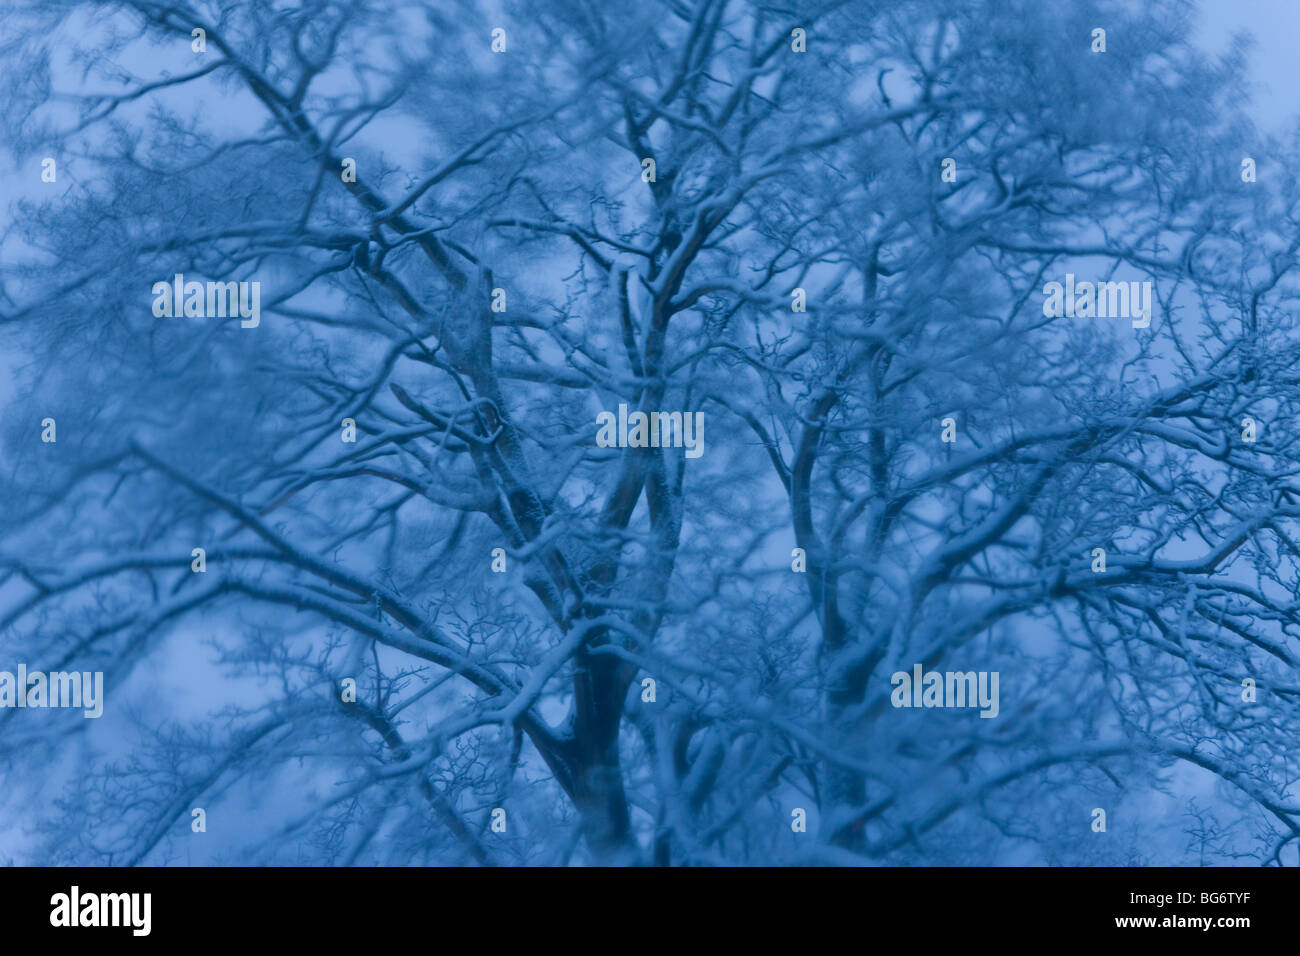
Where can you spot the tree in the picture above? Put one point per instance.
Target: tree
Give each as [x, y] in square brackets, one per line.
[495, 628]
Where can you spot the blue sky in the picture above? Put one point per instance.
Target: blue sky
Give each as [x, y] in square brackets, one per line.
[1274, 24]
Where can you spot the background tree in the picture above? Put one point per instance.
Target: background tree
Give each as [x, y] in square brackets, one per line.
[519, 179]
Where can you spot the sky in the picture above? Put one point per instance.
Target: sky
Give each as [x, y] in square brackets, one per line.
[1275, 25]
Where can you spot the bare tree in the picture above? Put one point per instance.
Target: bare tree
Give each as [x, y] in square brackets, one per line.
[823, 233]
